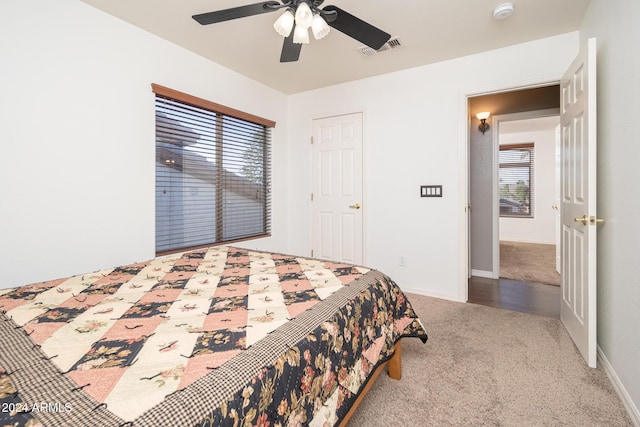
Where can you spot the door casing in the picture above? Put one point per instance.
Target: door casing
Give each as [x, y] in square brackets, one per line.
[464, 162]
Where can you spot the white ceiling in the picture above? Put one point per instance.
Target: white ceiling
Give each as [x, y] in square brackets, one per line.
[430, 31]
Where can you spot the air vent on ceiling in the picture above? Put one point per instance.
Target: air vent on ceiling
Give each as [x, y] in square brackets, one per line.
[393, 43]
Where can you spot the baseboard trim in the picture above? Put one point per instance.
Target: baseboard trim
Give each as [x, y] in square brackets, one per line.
[432, 294]
[536, 242]
[484, 274]
[631, 408]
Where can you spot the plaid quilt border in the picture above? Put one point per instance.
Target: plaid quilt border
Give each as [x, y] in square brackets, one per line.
[41, 389]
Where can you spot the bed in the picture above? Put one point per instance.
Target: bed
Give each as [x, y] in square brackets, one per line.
[214, 336]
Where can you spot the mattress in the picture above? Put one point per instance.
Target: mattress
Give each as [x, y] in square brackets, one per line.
[214, 336]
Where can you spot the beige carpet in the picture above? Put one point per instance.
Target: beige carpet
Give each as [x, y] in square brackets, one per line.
[486, 366]
[529, 262]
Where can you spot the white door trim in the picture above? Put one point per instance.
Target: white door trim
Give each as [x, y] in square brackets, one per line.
[463, 165]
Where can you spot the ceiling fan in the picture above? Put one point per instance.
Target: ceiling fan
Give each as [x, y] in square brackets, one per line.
[299, 16]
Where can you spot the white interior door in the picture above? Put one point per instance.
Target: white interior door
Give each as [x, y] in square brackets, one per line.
[336, 199]
[578, 158]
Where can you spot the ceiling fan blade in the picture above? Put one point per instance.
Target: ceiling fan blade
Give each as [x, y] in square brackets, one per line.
[236, 12]
[356, 28]
[290, 50]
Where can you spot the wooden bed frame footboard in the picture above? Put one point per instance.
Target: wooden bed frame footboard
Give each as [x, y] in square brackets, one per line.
[395, 372]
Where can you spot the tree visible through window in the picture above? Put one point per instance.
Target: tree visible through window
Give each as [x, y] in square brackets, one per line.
[212, 173]
[515, 177]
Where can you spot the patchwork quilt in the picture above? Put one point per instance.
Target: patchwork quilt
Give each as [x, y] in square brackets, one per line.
[216, 336]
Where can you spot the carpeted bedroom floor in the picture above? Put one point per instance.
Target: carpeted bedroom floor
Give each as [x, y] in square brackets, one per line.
[488, 366]
[529, 262]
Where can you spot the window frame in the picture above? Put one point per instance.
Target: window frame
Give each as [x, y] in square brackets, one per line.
[218, 114]
[530, 147]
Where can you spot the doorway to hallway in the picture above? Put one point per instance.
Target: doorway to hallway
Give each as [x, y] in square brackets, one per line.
[512, 170]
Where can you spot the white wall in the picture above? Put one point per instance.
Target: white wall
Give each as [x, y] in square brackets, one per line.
[542, 227]
[615, 25]
[414, 130]
[77, 136]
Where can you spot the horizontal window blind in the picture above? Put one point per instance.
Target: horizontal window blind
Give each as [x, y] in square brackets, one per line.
[212, 176]
[515, 178]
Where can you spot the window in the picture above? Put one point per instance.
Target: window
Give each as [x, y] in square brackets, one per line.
[516, 180]
[212, 173]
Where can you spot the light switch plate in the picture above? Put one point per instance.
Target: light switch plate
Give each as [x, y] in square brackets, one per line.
[431, 191]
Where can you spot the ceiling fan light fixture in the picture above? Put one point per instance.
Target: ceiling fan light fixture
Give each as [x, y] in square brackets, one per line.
[304, 16]
[296, 30]
[319, 27]
[284, 24]
[301, 35]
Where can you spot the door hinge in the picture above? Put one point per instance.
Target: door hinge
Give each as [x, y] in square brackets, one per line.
[311, 140]
[311, 253]
[312, 197]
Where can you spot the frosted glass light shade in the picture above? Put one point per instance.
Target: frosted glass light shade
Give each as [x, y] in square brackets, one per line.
[319, 27]
[301, 35]
[304, 16]
[483, 116]
[284, 24]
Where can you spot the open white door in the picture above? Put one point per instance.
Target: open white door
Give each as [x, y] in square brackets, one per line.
[578, 158]
[336, 214]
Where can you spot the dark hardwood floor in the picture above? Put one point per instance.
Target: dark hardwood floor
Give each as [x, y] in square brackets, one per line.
[534, 298]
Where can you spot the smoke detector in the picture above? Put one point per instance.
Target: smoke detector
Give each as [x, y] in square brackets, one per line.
[503, 11]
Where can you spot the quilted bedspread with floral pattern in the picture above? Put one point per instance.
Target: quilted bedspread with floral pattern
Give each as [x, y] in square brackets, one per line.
[217, 336]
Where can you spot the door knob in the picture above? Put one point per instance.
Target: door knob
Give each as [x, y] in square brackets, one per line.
[584, 220]
[593, 220]
[356, 206]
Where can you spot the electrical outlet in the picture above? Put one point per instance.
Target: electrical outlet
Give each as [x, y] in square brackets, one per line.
[402, 261]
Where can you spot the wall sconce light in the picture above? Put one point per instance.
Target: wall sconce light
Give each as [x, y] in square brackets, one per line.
[484, 126]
